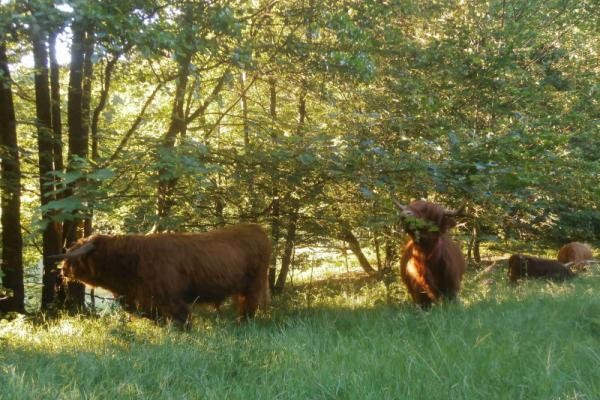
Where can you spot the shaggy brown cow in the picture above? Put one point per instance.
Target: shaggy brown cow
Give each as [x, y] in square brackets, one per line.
[159, 275]
[520, 266]
[432, 265]
[579, 254]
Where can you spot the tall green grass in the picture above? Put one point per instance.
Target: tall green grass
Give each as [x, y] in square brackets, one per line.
[344, 339]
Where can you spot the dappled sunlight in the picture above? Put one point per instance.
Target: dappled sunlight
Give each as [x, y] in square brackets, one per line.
[317, 329]
[97, 335]
[396, 172]
[15, 328]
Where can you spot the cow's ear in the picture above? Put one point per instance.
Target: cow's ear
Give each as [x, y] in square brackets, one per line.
[448, 222]
[461, 212]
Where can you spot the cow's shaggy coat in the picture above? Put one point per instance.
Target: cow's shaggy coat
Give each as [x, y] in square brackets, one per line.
[577, 254]
[432, 265]
[160, 275]
[520, 266]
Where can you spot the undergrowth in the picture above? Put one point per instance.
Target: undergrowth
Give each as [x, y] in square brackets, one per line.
[347, 338]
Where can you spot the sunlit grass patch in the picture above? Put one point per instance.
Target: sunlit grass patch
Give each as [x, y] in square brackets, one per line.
[353, 337]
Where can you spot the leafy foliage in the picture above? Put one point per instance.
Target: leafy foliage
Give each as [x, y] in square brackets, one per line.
[313, 114]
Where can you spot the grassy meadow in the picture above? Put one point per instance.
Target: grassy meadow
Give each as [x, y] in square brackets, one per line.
[346, 337]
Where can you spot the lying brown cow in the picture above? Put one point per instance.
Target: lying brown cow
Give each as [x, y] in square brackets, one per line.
[432, 264]
[520, 266]
[159, 275]
[576, 254]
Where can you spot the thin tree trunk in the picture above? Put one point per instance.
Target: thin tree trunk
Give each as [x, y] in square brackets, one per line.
[293, 217]
[476, 251]
[391, 253]
[55, 100]
[103, 97]
[86, 94]
[377, 251]
[473, 251]
[74, 298]
[354, 246]
[302, 112]
[244, 104]
[50, 234]
[246, 129]
[219, 202]
[275, 202]
[288, 250]
[10, 182]
[177, 126]
[86, 100]
[390, 248]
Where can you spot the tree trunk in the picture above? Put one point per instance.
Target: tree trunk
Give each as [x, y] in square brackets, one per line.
[275, 202]
[74, 298]
[51, 240]
[390, 248]
[10, 182]
[302, 110]
[86, 100]
[473, 251]
[391, 253]
[354, 246]
[219, 195]
[288, 250]
[86, 93]
[476, 251]
[107, 79]
[246, 129]
[377, 251]
[177, 126]
[55, 100]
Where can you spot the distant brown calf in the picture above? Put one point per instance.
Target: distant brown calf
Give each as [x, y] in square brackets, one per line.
[159, 275]
[432, 265]
[520, 266]
[576, 253]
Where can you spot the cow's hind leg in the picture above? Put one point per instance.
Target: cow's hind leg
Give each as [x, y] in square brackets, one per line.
[240, 304]
[176, 310]
[255, 296]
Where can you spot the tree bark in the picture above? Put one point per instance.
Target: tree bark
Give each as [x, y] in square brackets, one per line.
[86, 100]
[293, 216]
[10, 182]
[51, 240]
[377, 251]
[473, 248]
[55, 100]
[288, 250]
[107, 79]
[177, 126]
[354, 246]
[74, 297]
[275, 202]
[246, 129]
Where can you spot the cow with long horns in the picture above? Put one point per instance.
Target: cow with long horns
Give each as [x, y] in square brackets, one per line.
[160, 275]
[432, 265]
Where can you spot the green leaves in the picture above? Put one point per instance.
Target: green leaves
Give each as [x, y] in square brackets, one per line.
[64, 209]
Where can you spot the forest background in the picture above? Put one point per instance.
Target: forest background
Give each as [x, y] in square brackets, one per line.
[308, 117]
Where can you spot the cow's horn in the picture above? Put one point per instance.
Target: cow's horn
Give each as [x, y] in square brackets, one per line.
[456, 213]
[78, 252]
[402, 207]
